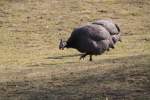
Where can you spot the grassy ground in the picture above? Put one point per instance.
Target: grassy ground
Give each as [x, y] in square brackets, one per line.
[33, 68]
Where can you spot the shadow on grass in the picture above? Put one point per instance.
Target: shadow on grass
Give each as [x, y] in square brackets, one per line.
[61, 57]
[129, 81]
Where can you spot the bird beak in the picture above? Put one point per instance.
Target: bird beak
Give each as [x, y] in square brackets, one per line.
[60, 44]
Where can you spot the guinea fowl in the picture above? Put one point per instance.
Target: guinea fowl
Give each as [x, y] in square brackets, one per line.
[112, 27]
[91, 39]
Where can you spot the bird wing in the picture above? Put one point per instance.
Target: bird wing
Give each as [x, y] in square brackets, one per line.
[109, 25]
[98, 33]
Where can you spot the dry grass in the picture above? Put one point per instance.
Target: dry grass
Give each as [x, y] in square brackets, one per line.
[32, 67]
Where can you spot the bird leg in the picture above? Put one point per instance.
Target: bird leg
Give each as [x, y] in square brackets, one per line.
[90, 58]
[83, 56]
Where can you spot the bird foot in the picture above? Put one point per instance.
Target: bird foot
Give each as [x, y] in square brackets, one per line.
[83, 56]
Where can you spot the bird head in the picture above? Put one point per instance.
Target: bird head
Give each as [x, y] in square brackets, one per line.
[116, 38]
[62, 44]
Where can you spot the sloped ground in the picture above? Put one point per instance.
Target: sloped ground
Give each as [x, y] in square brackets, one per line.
[32, 67]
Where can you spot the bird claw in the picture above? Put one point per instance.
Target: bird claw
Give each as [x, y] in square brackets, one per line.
[83, 56]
